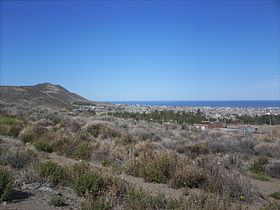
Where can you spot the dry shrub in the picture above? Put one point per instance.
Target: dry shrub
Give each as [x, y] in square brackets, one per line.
[196, 149]
[82, 151]
[268, 149]
[17, 159]
[153, 166]
[99, 129]
[273, 168]
[126, 139]
[223, 181]
[32, 133]
[187, 176]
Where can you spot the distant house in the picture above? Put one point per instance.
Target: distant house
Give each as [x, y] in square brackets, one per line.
[250, 130]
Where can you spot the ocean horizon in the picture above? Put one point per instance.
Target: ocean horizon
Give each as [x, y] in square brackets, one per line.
[205, 103]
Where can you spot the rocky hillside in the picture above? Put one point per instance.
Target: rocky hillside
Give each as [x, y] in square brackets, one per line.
[46, 95]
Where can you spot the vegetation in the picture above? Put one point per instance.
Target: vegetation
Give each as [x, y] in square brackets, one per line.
[51, 172]
[57, 201]
[43, 145]
[163, 116]
[6, 184]
[10, 126]
[17, 159]
[89, 182]
[260, 120]
[82, 151]
[275, 195]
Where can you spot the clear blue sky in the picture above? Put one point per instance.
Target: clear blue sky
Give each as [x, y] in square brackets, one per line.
[144, 50]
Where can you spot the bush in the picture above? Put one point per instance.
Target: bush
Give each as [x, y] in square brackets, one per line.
[32, 133]
[258, 165]
[91, 203]
[82, 151]
[57, 201]
[189, 176]
[127, 139]
[95, 129]
[51, 172]
[261, 177]
[137, 198]
[17, 159]
[273, 168]
[90, 182]
[78, 169]
[275, 195]
[268, 149]
[6, 184]
[43, 145]
[10, 126]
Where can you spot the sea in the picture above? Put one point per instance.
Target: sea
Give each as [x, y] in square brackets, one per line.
[239, 104]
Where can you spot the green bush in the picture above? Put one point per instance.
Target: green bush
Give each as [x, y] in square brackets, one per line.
[43, 145]
[51, 172]
[137, 198]
[89, 182]
[57, 201]
[6, 184]
[275, 195]
[82, 151]
[258, 165]
[153, 167]
[10, 126]
[260, 176]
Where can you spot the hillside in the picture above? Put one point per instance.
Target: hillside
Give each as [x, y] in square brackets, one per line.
[15, 99]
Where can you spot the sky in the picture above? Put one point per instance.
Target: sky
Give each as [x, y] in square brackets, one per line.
[144, 50]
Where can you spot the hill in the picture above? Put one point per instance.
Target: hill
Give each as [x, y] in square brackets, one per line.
[44, 95]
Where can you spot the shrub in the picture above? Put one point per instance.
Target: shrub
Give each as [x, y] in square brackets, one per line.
[57, 201]
[95, 129]
[82, 151]
[189, 176]
[137, 198]
[6, 184]
[225, 182]
[158, 170]
[127, 139]
[273, 168]
[275, 195]
[10, 126]
[268, 149]
[78, 169]
[91, 203]
[89, 182]
[32, 133]
[17, 159]
[258, 165]
[43, 145]
[51, 172]
[153, 167]
[261, 177]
